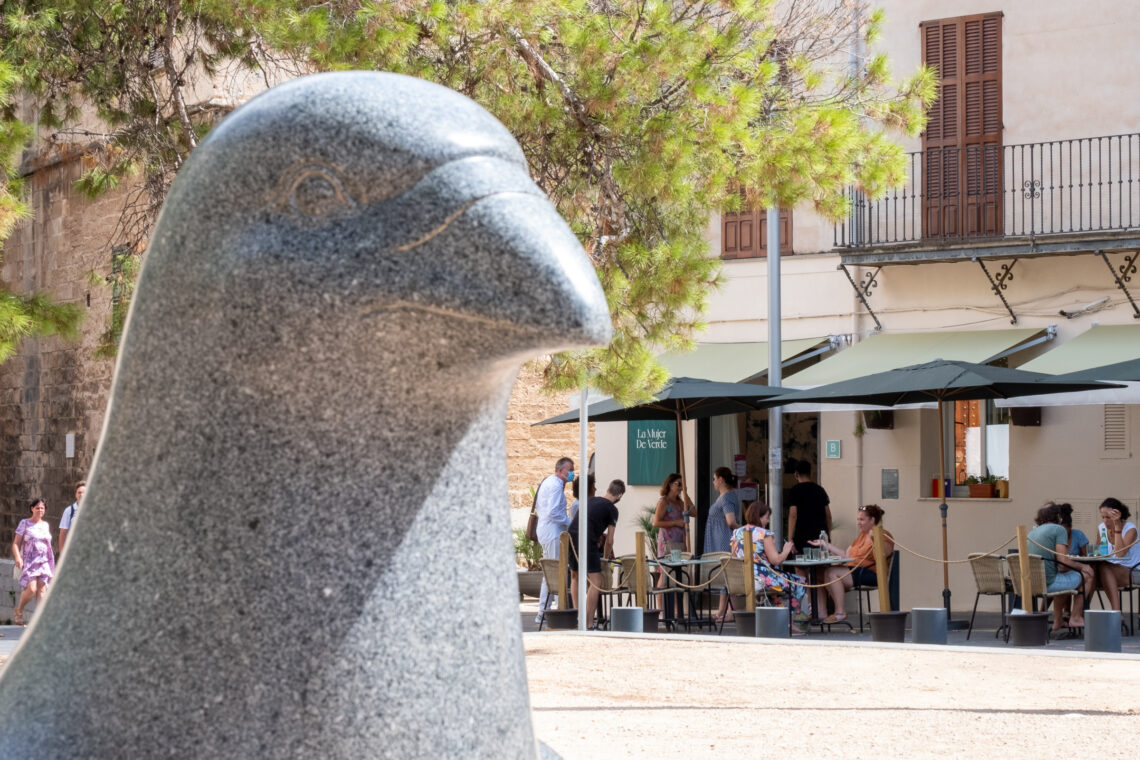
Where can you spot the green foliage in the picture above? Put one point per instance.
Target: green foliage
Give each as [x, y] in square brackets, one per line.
[22, 316]
[645, 523]
[641, 120]
[124, 274]
[527, 552]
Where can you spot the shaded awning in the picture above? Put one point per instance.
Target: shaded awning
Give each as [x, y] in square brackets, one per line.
[885, 351]
[737, 362]
[1096, 347]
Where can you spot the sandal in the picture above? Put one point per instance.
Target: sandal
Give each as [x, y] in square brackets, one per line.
[18, 619]
[833, 619]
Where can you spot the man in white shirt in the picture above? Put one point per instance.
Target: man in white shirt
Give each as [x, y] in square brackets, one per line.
[553, 519]
[69, 514]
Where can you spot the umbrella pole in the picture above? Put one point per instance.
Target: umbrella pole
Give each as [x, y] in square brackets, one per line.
[584, 614]
[684, 485]
[943, 508]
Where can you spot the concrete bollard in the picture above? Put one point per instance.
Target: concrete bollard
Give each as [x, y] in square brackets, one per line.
[1102, 630]
[928, 625]
[773, 622]
[627, 620]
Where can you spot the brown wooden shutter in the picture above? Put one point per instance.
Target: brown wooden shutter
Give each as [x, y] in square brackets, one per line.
[744, 235]
[962, 156]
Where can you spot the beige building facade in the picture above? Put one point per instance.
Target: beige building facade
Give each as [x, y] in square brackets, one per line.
[1016, 235]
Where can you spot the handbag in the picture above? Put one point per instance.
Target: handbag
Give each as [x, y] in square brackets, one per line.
[532, 521]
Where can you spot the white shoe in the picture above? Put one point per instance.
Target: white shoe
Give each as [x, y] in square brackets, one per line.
[538, 620]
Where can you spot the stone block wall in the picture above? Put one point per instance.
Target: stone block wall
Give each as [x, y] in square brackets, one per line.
[532, 451]
[52, 388]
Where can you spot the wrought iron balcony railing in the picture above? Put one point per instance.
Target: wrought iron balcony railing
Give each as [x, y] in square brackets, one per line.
[957, 196]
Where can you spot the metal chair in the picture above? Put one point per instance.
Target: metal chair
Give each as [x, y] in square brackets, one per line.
[989, 577]
[860, 591]
[1128, 591]
[628, 579]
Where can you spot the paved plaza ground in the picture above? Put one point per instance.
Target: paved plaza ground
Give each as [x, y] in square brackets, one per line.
[596, 696]
[623, 696]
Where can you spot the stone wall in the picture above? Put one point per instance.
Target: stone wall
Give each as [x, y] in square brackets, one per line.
[51, 388]
[532, 451]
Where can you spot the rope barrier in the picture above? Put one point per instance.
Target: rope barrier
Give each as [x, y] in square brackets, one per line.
[791, 581]
[952, 561]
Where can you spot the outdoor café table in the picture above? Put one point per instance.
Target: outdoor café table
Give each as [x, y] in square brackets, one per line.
[689, 571]
[1096, 559]
[813, 566]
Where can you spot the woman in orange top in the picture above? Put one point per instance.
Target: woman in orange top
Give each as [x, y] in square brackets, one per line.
[840, 578]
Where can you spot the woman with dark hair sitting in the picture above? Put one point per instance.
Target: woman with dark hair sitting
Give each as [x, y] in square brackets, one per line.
[1124, 564]
[764, 555]
[1050, 541]
[840, 578]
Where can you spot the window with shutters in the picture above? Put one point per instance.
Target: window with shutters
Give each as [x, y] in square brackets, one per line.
[962, 155]
[744, 235]
[1115, 432]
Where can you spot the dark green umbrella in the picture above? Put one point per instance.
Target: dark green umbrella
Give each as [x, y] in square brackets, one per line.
[1127, 371]
[940, 380]
[682, 398]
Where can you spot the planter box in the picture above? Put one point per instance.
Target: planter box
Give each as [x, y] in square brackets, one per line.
[982, 490]
[562, 620]
[888, 626]
[1029, 630]
[530, 583]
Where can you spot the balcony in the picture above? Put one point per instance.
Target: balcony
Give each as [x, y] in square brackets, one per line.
[992, 201]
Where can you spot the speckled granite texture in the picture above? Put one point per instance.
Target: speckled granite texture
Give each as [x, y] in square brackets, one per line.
[295, 541]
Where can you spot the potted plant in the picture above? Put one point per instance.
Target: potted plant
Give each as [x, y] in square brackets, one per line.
[527, 555]
[983, 487]
[879, 419]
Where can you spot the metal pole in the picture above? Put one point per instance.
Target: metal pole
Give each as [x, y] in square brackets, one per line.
[775, 377]
[583, 499]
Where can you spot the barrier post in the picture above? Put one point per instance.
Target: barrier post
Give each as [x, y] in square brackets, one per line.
[749, 583]
[881, 568]
[563, 568]
[640, 568]
[1023, 558]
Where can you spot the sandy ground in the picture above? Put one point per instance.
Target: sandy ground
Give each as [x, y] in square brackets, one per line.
[600, 696]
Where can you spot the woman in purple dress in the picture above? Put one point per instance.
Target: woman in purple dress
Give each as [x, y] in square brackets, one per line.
[31, 548]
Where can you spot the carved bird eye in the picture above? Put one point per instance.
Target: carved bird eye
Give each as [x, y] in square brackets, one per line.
[318, 192]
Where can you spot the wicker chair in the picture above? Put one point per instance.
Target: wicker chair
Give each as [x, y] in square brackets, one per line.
[549, 569]
[732, 571]
[1036, 580]
[990, 579]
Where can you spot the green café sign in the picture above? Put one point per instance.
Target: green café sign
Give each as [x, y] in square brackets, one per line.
[652, 452]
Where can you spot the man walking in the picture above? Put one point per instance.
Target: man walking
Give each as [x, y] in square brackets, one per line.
[809, 508]
[553, 519]
[601, 520]
[68, 518]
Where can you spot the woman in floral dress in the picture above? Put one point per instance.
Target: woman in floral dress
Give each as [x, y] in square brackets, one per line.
[764, 555]
[31, 548]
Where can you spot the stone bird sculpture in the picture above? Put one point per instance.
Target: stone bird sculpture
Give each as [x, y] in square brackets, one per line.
[295, 540]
